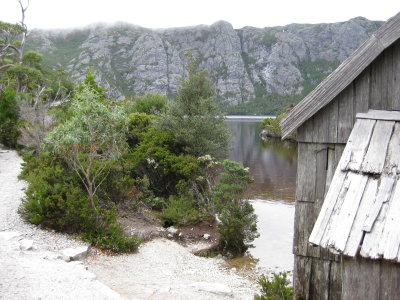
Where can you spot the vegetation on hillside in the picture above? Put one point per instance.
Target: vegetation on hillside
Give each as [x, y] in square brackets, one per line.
[271, 126]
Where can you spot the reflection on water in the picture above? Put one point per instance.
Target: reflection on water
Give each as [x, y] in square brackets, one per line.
[272, 164]
[275, 224]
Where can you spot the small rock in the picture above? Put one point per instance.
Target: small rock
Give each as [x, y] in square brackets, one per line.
[180, 234]
[26, 244]
[206, 236]
[215, 288]
[71, 254]
[170, 235]
[172, 230]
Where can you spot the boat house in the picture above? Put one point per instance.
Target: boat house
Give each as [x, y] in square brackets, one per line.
[347, 219]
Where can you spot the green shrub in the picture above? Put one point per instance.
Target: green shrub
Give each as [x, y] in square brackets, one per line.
[108, 234]
[194, 119]
[138, 125]
[238, 223]
[238, 228]
[150, 104]
[56, 199]
[9, 118]
[272, 127]
[276, 289]
[233, 183]
[181, 210]
[160, 159]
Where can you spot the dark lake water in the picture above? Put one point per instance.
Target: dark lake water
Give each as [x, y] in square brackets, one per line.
[273, 166]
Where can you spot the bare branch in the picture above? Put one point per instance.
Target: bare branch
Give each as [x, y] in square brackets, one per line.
[24, 34]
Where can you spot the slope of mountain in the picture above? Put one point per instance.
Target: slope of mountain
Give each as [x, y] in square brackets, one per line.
[248, 65]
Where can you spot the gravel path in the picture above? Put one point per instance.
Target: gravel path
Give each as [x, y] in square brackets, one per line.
[161, 269]
[37, 273]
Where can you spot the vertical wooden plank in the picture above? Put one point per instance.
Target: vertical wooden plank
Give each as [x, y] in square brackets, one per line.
[306, 166]
[381, 195]
[327, 209]
[357, 145]
[361, 91]
[348, 211]
[332, 119]
[331, 168]
[389, 244]
[388, 77]
[305, 216]
[346, 114]
[321, 125]
[374, 159]
[335, 281]
[319, 288]
[360, 279]
[305, 133]
[334, 156]
[301, 277]
[392, 163]
[357, 233]
[321, 171]
[339, 194]
[378, 84]
[395, 94]
[389, 281]
[371, 241]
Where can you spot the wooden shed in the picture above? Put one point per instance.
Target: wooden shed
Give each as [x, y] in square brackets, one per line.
[344, 258]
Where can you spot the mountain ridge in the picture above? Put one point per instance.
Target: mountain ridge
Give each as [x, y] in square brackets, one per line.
[246, 65]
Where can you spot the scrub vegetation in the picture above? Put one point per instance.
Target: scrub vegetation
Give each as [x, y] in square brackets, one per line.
[87, 156]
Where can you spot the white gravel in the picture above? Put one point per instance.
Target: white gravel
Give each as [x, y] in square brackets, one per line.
[161, 269]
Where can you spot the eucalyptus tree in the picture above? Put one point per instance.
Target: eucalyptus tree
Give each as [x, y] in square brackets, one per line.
[91, 139]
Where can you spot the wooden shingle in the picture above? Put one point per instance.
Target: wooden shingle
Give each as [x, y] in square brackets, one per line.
[361, 211]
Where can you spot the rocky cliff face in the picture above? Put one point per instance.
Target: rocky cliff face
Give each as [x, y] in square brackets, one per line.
[244, 64]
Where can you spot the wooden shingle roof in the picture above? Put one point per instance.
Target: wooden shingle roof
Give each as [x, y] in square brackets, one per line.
[361, 210]
[344, 75]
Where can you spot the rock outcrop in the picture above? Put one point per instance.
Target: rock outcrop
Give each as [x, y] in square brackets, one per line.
[244, 64]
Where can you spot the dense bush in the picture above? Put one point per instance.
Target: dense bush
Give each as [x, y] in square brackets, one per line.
[194, 119]
[238, 227]
[138, 125]
[55, 199]
[181, 210]
[238, 223]
[9, 115]
[160, 159]
[149, 104]
[272, 126]
[276, 289]
[233, 183]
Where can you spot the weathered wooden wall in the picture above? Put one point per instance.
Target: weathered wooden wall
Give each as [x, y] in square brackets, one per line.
[316, 270]
[322, 138]
[370, 279]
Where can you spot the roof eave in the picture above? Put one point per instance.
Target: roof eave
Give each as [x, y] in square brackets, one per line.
[344, 75]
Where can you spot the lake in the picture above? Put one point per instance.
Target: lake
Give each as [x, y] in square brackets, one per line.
[273, 166]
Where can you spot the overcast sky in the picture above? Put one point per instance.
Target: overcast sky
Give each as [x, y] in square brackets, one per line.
[55, 14]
